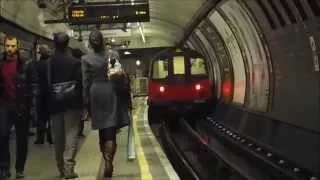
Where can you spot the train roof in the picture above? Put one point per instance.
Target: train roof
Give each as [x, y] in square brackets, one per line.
[176, 51]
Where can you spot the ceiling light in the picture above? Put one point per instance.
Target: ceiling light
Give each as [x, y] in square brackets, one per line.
[113, 40]
[138, 62]
[127, 52]
[142, 34]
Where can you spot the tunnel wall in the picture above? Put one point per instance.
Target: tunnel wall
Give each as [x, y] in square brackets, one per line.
[289, 38]
[28, 15]
[29, 19]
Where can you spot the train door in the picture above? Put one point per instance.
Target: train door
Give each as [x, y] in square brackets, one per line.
[177, 67]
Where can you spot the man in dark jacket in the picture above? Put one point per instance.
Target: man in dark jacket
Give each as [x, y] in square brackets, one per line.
[77, 54]
[19, 91]
[65, 117]
[43, 123]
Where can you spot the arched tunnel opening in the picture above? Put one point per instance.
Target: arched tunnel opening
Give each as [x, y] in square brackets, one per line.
[263, 60]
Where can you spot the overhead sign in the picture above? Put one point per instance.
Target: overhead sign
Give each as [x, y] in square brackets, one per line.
[109, 13]
[114, 33]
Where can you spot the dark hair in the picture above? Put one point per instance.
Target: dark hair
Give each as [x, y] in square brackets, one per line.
[96, 41]
[8, 37]
[20, 60]
[44, 50]
[61, 41]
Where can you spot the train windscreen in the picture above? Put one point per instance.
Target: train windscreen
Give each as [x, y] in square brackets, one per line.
[178, 65]
[160, 69]
[197, 67]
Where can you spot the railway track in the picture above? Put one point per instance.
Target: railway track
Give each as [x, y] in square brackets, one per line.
[195, 157]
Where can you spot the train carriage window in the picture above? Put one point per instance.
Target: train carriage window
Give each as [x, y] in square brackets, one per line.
[197, 66]
[178, 65]
[160, 69]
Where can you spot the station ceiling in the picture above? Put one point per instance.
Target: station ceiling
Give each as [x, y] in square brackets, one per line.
[168, 21]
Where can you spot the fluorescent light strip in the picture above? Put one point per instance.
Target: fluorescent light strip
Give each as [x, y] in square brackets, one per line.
[142, 34]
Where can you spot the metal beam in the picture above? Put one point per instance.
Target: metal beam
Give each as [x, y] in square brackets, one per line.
[117, 3]
[88, 21]
[56, 21]
[202, 13]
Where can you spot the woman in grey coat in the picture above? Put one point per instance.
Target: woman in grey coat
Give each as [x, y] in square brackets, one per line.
[100, 93]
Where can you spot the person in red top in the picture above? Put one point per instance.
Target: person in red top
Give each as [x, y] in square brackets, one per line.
[18, 85]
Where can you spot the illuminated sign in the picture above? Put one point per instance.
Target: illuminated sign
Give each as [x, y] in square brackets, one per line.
[77, 13]
[108, 13]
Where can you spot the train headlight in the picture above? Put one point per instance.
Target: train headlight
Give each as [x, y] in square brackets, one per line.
[198, 87]
[161, 89]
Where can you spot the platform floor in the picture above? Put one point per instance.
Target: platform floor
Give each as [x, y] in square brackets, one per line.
[150, 163]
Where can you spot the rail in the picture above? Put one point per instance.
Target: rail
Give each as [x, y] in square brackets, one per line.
[200, 160]
[212, 158]
[262, 156]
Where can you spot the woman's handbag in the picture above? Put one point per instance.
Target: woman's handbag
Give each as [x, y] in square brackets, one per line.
[62, 93]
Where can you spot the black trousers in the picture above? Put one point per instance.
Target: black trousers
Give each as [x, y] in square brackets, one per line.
[12, 117]
[43, 125]
[107, 134]
[43, 120]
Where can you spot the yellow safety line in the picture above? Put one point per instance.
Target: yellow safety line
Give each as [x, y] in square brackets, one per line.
[144, 167]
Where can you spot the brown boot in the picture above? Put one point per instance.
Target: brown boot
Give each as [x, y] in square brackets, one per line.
[114, 150]
[108, 150]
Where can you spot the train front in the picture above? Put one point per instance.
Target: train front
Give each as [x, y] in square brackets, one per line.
[179, 84]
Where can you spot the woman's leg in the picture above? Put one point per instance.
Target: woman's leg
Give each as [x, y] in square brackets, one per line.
[108, 145]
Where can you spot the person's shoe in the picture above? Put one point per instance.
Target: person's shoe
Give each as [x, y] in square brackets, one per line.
[69, 173]
[5, 174]
[49, 140]
[31, 133]
[71, 176]
[61, 173]
[107, 174]
[19, 175]
[39, 141]
[49, 137]
[81, 135]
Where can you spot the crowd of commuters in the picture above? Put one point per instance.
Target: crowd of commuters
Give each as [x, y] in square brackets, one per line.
[61, 90]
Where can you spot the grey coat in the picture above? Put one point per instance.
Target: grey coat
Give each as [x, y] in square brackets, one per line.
[100, 94]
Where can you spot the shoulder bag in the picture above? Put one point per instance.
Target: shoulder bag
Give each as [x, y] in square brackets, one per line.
[61, 94]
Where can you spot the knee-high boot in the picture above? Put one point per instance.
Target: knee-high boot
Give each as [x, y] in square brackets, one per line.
[108, 149]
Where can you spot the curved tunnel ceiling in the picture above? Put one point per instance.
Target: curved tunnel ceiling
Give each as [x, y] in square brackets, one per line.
[168, 21]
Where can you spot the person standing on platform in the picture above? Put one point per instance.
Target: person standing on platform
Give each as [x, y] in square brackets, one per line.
[43, 122]
[64, 91]
[18, 88]
[101, 92]
[77, 53]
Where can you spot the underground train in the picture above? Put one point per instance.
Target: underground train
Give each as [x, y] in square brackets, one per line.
[178, 84]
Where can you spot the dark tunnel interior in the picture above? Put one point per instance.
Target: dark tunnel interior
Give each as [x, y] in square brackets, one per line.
[269, 52]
